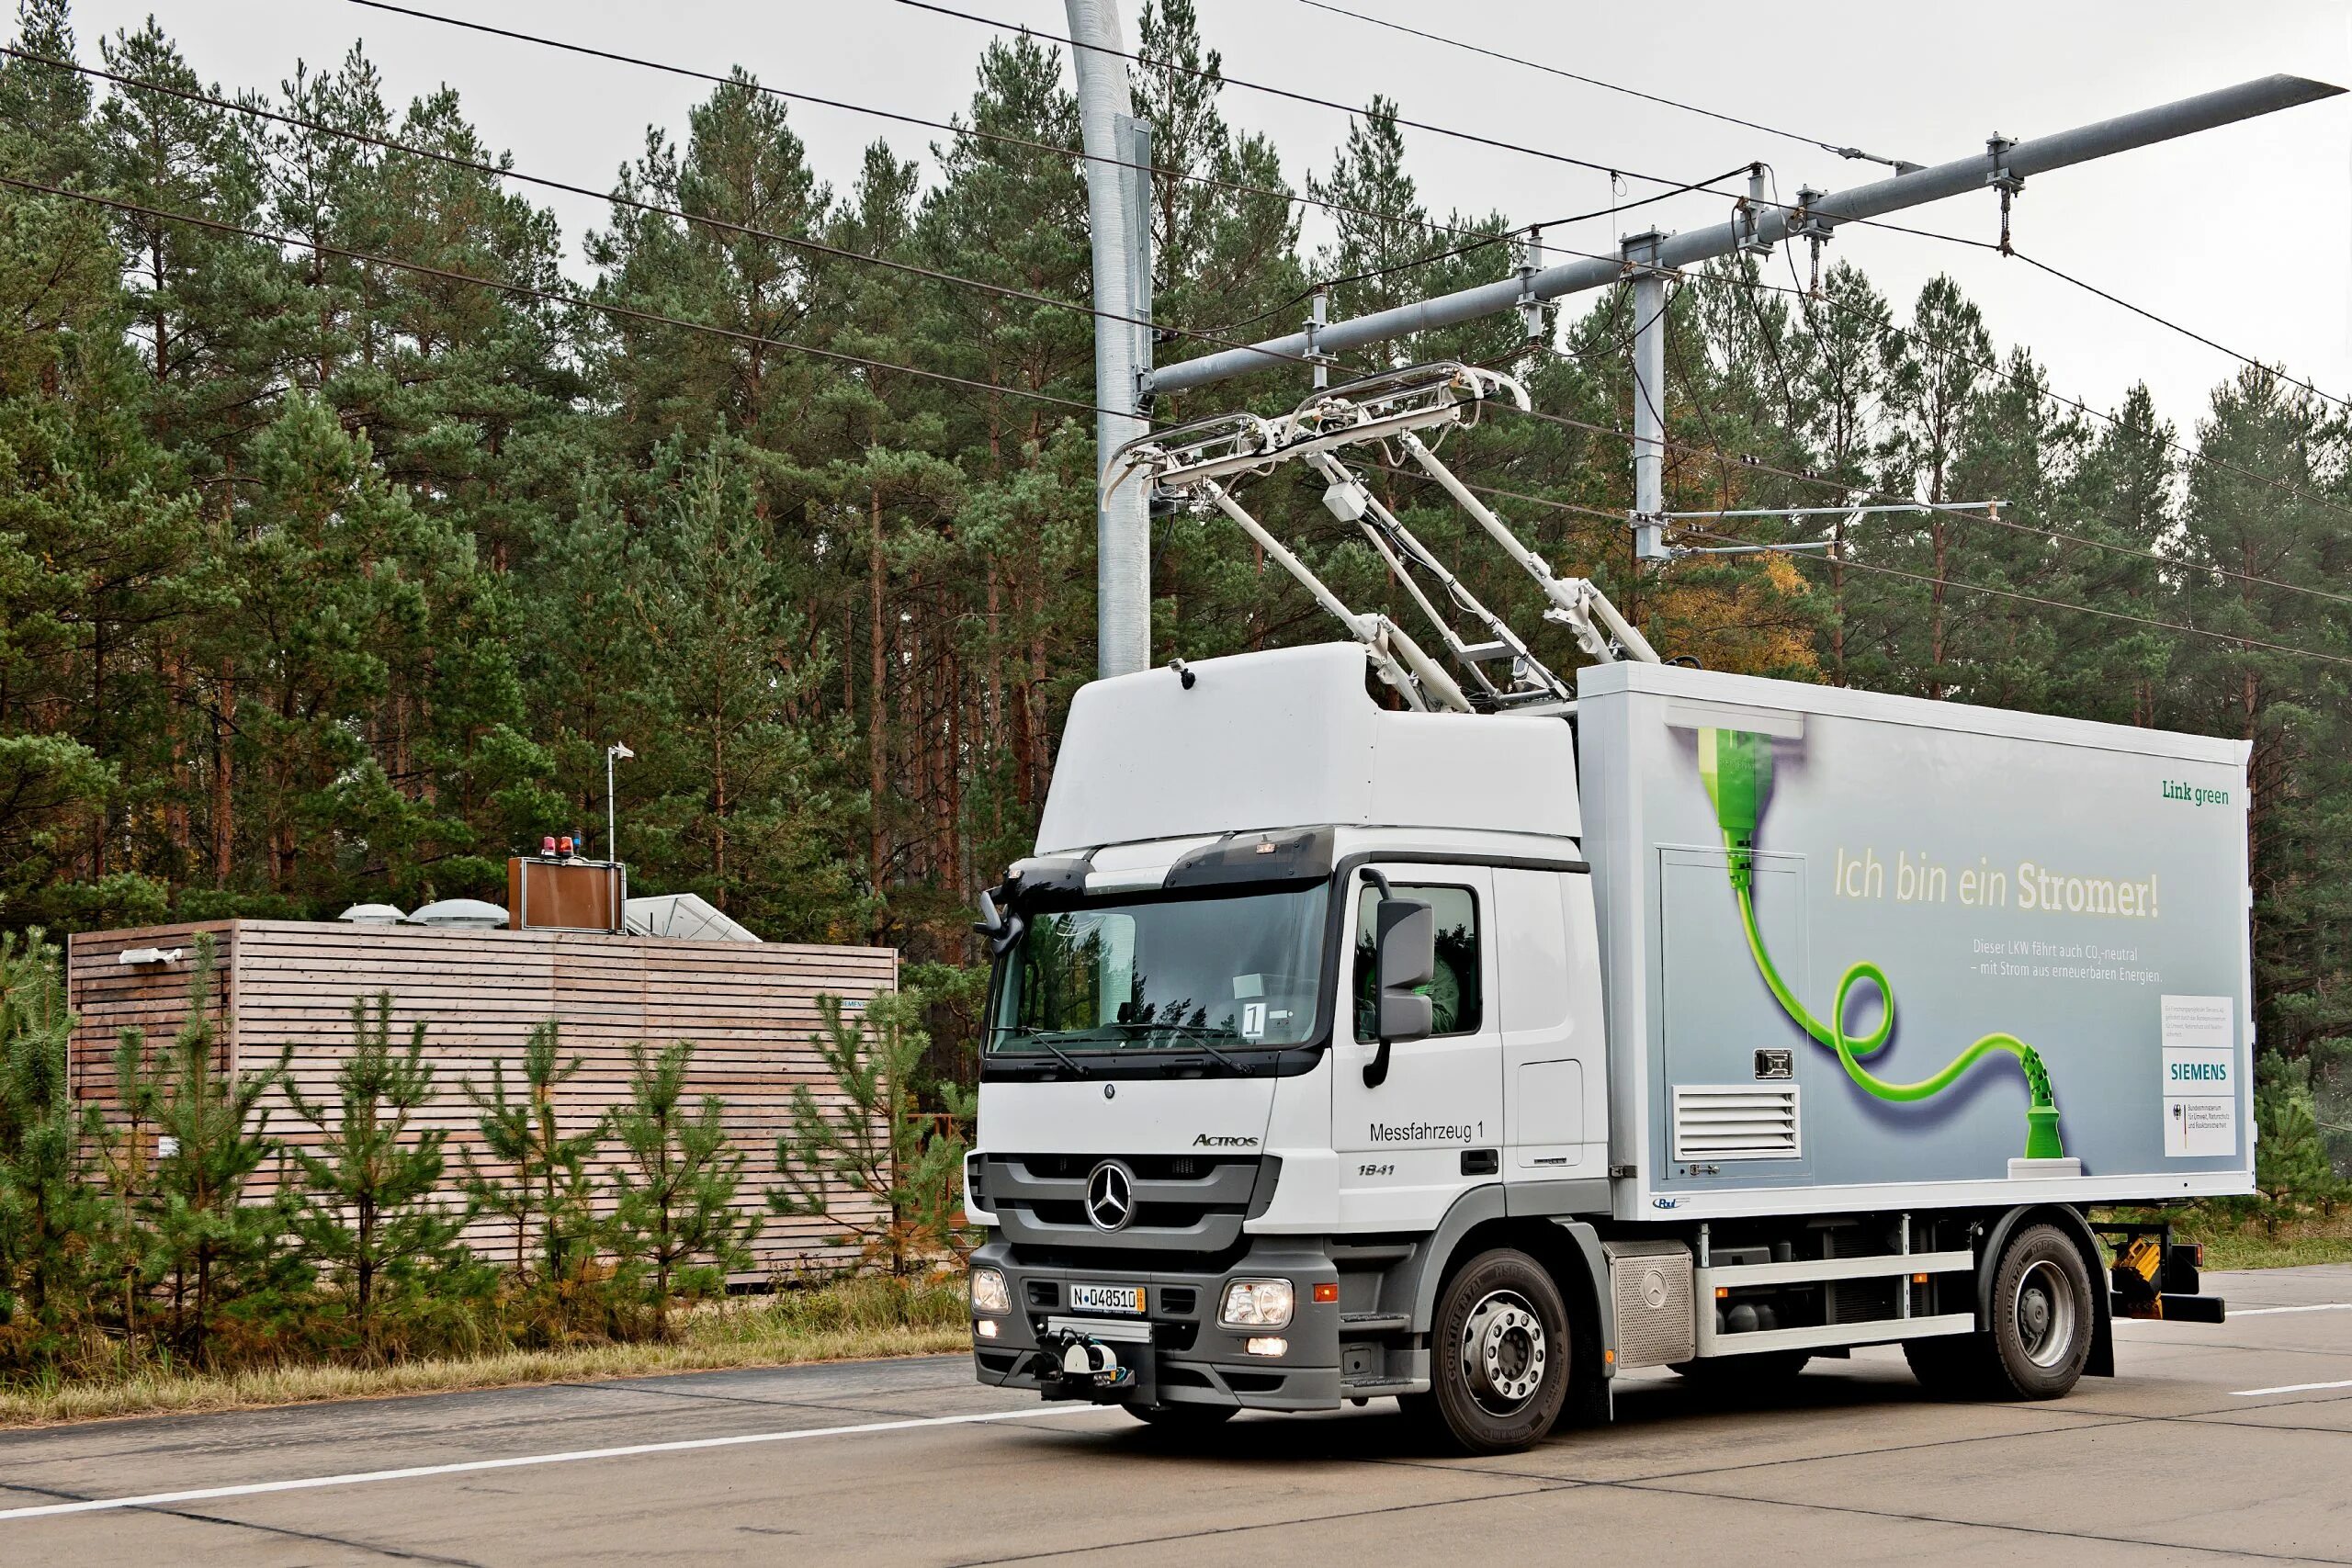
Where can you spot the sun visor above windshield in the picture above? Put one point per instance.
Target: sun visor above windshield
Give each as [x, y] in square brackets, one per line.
[1291, 738]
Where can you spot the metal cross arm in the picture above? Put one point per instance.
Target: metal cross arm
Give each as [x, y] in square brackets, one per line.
[2017, 160]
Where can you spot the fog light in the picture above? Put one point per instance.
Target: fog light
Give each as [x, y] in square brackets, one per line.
[1268, 1345]
[989, 1295]
[1256, 1304]
[985, 1327]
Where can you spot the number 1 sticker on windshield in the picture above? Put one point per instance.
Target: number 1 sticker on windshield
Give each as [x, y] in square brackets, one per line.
[1254, 1021]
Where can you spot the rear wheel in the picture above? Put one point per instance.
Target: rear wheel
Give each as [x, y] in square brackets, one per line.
[1498, 1358]
[2041, 1316]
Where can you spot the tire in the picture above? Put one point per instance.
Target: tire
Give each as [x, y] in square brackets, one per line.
[1182, 1417]
[2042, 1316]
[1762, 1371]
[1500, 1356]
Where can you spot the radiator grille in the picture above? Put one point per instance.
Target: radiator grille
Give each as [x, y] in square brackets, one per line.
[1718, 1122]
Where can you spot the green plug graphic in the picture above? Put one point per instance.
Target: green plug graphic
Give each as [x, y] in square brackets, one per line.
[1736, 767]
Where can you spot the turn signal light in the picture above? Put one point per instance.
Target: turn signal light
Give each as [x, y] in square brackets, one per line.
[1326, 1294]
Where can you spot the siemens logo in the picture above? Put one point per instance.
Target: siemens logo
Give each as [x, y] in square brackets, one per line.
[2199, 1072]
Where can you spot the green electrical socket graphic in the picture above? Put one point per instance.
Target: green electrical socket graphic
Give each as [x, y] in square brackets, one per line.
[1736, 767]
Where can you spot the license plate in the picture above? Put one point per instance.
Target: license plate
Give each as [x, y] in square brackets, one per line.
[1107, 1298]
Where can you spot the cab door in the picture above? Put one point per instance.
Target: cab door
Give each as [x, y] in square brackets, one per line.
[1435, 1126]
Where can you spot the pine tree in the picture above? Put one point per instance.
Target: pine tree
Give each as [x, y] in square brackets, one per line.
[375, 1212]
[2291, 1171]
[676, 1181]
[535, 1176]
[47, 1213]
[888, 1174]
[203, 1237]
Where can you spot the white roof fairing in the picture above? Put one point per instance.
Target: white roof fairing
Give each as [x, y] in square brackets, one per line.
[1287, 738]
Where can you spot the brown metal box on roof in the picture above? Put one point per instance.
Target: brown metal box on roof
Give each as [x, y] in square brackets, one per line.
[566, 896]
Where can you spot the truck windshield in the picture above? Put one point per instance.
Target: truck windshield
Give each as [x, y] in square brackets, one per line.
[1226, 973]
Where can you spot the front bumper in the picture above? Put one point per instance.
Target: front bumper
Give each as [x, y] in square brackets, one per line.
[1189, 1359]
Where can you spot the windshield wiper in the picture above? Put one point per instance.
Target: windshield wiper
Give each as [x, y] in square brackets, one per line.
[1067, 1060]
[1198, 1034]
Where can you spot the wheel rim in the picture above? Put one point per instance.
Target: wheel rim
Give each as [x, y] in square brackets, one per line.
[2044, 1314]
[1504, 1352]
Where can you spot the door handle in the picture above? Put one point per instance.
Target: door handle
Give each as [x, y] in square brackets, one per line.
[1480, 1162]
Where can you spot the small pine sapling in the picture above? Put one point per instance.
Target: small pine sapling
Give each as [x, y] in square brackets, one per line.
[535, 1176]
[211, 1135]
[375, 1178]
[889, 1174]
[677, 1181]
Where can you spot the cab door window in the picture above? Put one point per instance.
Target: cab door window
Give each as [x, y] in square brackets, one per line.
[1455, 989]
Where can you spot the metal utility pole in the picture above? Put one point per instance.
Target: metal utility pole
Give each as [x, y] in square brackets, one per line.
[1649, 394]
[2002, 166]
[1118, 209]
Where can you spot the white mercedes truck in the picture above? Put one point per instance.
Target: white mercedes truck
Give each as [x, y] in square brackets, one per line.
[1474, 1046]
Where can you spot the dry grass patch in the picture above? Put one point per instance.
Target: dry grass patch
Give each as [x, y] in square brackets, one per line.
[858, 1320]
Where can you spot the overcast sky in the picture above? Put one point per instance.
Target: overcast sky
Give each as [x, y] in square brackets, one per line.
[2243, 233]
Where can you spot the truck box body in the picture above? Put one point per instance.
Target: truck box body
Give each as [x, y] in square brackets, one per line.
[2078, 888]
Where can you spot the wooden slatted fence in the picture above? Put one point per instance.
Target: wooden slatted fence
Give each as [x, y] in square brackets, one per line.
[750, 1009]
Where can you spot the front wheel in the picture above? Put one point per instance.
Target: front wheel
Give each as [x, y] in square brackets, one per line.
[1498, 1360]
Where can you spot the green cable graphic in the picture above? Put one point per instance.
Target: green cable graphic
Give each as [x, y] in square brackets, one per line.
[1736, 767]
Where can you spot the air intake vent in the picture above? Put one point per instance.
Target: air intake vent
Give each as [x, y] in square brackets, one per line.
[1719, 1122]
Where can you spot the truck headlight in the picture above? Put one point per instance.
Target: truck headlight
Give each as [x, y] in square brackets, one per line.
[990, 1296]
[1256, 1304]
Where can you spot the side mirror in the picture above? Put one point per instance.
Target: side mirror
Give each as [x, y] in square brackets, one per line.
[1405, 950]
[1003, 930]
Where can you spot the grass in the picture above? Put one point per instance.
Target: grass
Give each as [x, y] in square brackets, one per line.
[853, 1320]
[2233, 1241]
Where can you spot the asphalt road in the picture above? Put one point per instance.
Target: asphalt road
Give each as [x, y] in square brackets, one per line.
[2231, 1441]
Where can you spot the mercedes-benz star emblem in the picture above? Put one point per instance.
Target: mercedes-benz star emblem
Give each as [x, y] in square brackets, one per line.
[1110, 1196]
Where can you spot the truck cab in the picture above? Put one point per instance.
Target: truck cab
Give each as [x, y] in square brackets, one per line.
[1197, 1150]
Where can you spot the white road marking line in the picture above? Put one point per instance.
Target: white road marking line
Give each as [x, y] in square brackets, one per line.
[462, 1466]
[2236, 1313]
[2289, 1388]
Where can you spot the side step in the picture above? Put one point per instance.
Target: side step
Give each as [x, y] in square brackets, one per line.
[1355, 1324]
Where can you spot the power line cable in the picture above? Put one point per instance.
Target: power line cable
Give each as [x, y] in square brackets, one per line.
[1477, 239]
[1613, 171]
[2089, 287]
[968, 133]
[1961, 585]
[1898, 164]
[1528, 231]
[500, 172]
[545, 295]
[1869, 493]
[1808, 297]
